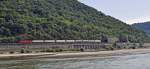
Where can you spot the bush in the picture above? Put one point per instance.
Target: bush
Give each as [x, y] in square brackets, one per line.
[52, 50]
[110, 48]
[58, 50]
[11, 52]
[28, 51]
[82, 50]
[1, 52]
[74, 50]
[49, 50]
[141, 44]
[22, 51]
[134, 47]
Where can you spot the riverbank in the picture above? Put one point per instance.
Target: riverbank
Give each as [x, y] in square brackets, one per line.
[75, 55]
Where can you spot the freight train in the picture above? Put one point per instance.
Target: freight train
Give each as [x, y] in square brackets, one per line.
[55, 41]
[44, 44]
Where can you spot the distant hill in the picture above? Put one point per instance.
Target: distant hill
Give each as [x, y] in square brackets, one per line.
[143, 26]
[59, 19]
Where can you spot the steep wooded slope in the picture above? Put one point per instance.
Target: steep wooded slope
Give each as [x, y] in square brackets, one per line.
[59, 19]
[143, 26]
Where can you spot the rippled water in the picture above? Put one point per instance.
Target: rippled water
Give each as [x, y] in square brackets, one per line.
[141, 61]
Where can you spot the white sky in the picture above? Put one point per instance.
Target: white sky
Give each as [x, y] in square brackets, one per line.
[129, 11]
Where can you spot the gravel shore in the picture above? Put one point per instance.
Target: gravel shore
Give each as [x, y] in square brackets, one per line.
[75, 55]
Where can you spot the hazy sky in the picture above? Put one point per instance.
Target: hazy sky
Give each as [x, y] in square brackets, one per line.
[129, 11]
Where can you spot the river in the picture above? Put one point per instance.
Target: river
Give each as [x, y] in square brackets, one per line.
[139, 61]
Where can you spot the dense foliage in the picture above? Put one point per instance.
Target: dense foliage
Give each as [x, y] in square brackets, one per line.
[143, 26]
[58, 19]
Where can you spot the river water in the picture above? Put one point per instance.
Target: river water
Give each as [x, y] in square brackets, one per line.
[140, 61]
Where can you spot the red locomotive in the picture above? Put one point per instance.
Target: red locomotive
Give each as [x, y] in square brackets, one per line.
[24, 41]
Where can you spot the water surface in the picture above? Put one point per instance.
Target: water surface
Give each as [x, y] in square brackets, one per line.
[140, 61]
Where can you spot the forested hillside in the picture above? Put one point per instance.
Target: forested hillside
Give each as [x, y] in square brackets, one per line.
[59, 19]
[143, 26]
